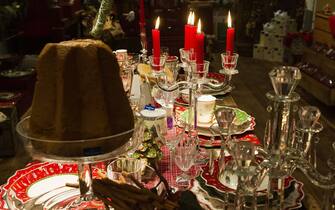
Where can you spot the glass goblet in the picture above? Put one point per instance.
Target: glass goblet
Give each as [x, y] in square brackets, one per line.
[186, 57]
[133, 59]
[164, 98]
[171, 65]
[184, 156]
[126, 74]
[121, 56]
[183, 57]
[170, 136]
[122, 170]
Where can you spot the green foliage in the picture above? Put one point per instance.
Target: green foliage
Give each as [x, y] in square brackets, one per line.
[150, 147]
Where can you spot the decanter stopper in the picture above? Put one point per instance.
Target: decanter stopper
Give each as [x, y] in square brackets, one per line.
[284, 80]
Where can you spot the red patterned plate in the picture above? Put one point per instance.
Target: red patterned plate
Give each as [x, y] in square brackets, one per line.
[208, 142]
[213, 187]
[292, 201]
[212, 180]
[243, 123]
[21, 172]
[38, 178]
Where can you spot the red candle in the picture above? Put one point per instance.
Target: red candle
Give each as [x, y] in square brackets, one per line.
[230, 36]
[156, 42]
[193, 32]
[187, 32]
[199, 50]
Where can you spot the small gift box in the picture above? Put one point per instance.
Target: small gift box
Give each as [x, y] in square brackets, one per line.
[268, 27]
[267, 55]
[277, 54]
[280, 28]
[277, 41]
[265, 39]
[262, 38]
[258, 51]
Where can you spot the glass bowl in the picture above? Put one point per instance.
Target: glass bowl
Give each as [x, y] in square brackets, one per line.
[84, 150]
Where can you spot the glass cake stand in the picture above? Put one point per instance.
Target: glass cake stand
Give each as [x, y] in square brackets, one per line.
[85, 153]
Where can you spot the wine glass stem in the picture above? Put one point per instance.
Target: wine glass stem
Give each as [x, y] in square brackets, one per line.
[85, 181]
[190, 103]
[229, 79]
[239, 200]
[224, 142]
[277, 184]
[254, 200]
[171, 159]
[195, 107]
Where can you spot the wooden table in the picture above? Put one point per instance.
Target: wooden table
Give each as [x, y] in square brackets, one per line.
[251, 85]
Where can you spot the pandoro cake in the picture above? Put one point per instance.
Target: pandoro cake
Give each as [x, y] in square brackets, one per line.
[79, 95]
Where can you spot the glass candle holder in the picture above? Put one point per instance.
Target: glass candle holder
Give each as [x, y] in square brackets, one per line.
[186, 56]
[199, 72]
[157, 64]
[229, 62]
[171, 64]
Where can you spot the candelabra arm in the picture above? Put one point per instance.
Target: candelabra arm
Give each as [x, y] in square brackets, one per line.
[179, 85]
[318, 179]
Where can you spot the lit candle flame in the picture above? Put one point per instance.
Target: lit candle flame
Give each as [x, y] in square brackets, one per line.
[192, 18]
[189, 18]
[157, 23]
[229, 19]
[199, 27]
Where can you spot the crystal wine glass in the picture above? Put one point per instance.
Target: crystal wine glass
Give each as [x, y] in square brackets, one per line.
[224, 117]
[184, 156]
[164, 98]
[126, 74]
[122, 168]
[133, 59]
[171, 135]
[171, 65]
[185, 57]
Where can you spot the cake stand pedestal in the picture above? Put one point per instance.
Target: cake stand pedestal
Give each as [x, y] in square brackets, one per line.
[84, 159]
